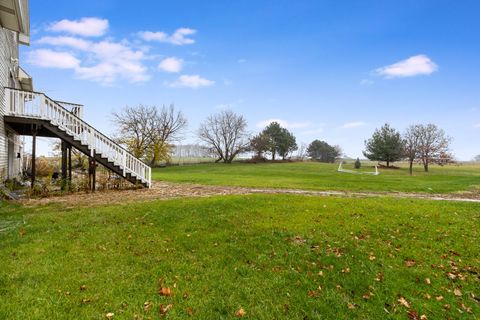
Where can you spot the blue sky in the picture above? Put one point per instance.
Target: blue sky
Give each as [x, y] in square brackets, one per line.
[329, 70]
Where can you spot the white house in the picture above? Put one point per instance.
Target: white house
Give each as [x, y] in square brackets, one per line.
[14, 20]
[26, 112]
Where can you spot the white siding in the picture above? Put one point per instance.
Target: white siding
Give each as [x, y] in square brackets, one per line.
[8, 51]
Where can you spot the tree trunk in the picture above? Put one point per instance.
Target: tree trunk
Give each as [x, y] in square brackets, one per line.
[273, 155]
[388, 163]
[425, 166]
[411, 167]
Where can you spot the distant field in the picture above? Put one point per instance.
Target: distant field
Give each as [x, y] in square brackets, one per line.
[274, 256]
[320, 176]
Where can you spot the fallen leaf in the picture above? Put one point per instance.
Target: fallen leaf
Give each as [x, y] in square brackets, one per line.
[451, 276]
[427, 281]
[320, 273]
[189, 311]
[147, 306]
[412, 314]
[164, 291]
[439, 298]
[379, 277]
[446, 306]
[371, 257]
[457, 292]
[410, 263]
[404, 302]
[428, 296]
[240, 313]
[346, 270]
[86, 300]
[109, 315]
[83, 287]
[423, 317]
[163, 310]
[366, 296]
[351, 305]
[311, 293]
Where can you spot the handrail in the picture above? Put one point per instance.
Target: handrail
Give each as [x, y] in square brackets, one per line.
[39, 105]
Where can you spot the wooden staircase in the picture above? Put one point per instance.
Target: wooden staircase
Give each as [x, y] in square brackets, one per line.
[25, 109]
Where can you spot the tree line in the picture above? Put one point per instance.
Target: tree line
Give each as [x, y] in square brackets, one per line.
[150, 133]
[425, 143]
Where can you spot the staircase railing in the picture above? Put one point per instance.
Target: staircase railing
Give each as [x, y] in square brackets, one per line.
[37, 105]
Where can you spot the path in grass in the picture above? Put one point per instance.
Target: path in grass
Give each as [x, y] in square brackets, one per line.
[274, 256]
[165, 191]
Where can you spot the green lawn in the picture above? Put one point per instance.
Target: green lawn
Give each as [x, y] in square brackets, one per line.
[275, 256]
[320, 176]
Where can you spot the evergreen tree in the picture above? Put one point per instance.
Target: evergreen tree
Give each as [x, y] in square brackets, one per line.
[386, 144]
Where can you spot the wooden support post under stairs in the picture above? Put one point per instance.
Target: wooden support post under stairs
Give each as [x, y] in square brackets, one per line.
[70, 165]
[64, 164]
[92, 168]
[34, 153]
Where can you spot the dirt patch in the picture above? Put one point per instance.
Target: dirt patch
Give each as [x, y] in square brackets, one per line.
[159, 191]
[165, 191]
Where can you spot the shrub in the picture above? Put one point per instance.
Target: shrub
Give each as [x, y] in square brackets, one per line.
[358, 164]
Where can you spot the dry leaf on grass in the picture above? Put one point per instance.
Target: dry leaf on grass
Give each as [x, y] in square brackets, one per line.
[412, 314]
[166, 292]
[109, 315]
[240, 313]
[147, 306]
[164, 310]
[410, 262]
[379, 277]
[457, 292]
[404, 302]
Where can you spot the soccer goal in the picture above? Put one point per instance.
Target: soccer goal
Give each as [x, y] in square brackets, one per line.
[340, 169]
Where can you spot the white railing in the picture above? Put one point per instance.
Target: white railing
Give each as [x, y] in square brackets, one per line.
[37, 105]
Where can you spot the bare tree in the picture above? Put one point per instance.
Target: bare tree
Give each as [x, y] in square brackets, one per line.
[147, 131]
[135, 126]
[167, 126]
[225, 133]
[411, 139]
[433, 143]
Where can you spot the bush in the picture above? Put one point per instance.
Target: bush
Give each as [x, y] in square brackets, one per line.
[358, 164]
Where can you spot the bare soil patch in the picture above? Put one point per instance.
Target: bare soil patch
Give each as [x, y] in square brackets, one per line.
[164, 191]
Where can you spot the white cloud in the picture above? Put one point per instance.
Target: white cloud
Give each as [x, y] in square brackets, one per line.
[104, 61]
[413, 66]
[242, 60]
[284, 123]
[171, 64]
[354, 124]
[114, 60]
[87, 27]
[76, 43]
[191, 81]
[476, 125]
[179, 37]
[52, 59]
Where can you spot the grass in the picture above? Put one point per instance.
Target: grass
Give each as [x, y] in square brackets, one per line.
[321, 176]
[275, 256]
